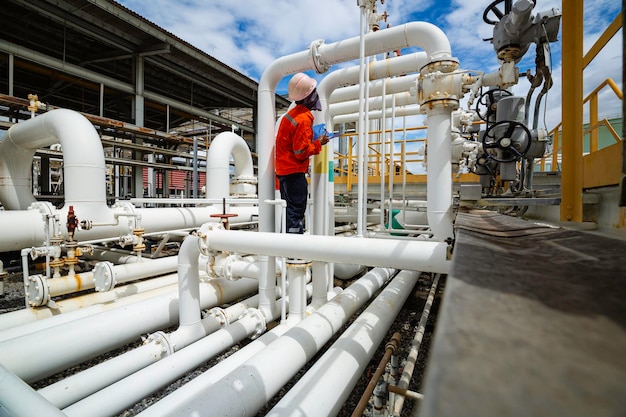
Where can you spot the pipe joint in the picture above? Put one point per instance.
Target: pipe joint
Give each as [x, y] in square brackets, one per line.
[220, 315]
[256, 314]
[445, 65]
[315, 56]
[203, 234]
[162, 341]
[104, 276]
[244, 186]
[440, 90]
[53, 251]
[227, 267]
[37, 291]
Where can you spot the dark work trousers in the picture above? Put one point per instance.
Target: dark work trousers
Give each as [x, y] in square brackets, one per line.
[294, 190]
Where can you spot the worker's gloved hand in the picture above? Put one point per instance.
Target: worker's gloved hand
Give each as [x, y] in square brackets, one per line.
[324, 139]
[319, 131]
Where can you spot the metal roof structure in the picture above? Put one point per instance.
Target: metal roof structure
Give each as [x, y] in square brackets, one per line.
[96, 56]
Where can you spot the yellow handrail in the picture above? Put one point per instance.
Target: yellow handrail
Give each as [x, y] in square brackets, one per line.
[592, 130]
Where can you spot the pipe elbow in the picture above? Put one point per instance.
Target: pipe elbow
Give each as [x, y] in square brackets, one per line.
[430, 38]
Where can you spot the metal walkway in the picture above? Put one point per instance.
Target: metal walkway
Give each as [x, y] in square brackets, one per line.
[533, 323]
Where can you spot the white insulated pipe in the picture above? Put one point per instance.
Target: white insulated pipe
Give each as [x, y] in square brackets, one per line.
[126, 392]
[296, 277]
[415, 255]
[422, 34]
[403, 98]
[408, 110]
[20, 322]
[84, 183]
[83, 165]
[343, 364]
[196, 397]
[189, 314]
[105, 276]
[246, 389]
[73, 342]
[404, 78]
[439, 178]
[18, 399]
[218, 167]
[81, 385]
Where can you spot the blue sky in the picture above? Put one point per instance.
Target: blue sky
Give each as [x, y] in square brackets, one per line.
[249, 35]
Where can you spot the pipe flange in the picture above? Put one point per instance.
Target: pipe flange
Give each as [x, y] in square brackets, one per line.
[245, 179]
[298, 263]
[203, 234]
[227, 267]
[44, 207]
[315, 56]
[445, 65]
[260, 321]
[104, 276]
[56, 263]
[220, 316]
[37, 291]
[161, 340]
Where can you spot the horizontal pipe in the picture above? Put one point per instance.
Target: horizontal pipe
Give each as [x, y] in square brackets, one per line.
[115, 398]
[77, 341]
[17, 399]
[344, 362]
[415, 255]
[83, 384]
[279, 351]
[20, 322]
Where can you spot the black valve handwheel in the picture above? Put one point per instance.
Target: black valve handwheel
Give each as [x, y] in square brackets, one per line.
[505, 143]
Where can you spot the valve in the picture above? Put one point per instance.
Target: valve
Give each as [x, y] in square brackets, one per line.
[509, 136]
[72, 223]
[487, 103]
[223, 216]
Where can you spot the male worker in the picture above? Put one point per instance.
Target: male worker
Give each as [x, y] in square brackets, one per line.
[294, 145]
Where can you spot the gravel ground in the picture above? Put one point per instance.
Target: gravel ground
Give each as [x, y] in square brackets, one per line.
[406, 324]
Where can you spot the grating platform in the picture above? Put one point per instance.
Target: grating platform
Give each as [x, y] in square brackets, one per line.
[533, 323]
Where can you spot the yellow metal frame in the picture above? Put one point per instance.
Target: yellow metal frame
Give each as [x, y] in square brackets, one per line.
[571, 135]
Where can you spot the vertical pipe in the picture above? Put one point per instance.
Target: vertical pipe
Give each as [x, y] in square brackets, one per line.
[189, 282]
[439, 180]
[572, 109]
[267, 286]
[361, 127]
[296, 274]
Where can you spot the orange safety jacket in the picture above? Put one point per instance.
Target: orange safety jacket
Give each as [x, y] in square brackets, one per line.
[294, 141]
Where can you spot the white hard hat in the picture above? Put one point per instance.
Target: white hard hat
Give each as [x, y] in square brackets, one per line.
[300, 86]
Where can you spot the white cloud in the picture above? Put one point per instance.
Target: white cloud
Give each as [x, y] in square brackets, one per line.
[249, 36]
